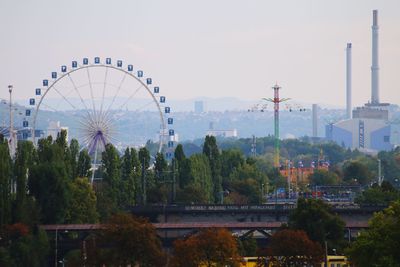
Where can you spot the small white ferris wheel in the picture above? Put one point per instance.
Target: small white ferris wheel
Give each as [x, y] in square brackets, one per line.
[99, 103]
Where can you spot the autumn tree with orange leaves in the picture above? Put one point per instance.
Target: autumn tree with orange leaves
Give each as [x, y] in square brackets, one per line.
[126, 240]
[211, 247]
[294, 248]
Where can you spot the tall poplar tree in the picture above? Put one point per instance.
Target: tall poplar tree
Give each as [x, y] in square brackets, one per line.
[211, 151]
[5, 183]
[84, 164]
[181, 164]
[108, 198]
[74, 155]
[128, 177]
[24, 158]
[49, 181]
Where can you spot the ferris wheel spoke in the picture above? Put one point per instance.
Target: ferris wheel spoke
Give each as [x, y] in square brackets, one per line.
[130, 97]
[64, 97]
[3, 130]
[118, 90]
[91, 90]
[104, 90]
[50, 107]
[80, 97]
[145, 105]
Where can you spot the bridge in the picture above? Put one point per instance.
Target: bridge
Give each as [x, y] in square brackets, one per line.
[174, 221]
[72, 236]
[269, 213]
[160, 227]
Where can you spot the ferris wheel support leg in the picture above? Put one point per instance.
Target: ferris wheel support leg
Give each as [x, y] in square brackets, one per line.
[93, 167]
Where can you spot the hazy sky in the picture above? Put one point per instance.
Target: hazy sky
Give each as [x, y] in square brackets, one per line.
[212, 48]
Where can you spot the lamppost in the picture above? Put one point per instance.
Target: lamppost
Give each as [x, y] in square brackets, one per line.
[379, 173]
[262, 193]
[221, 194]
[56, 249]
[12, 141]
[288, 177]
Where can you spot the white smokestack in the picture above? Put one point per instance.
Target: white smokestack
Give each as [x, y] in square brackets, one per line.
[348, 80]
[375, 60]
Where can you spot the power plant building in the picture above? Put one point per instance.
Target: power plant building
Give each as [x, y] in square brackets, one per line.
[367, 129]
[368, 135]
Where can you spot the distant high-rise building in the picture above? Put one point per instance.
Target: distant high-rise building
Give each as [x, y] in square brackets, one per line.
[314, 120]
[198, 106]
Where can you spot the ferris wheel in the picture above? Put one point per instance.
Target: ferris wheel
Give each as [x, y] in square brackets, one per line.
[100, 102]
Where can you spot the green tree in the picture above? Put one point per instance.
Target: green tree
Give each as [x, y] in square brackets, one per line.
[5, 183]
[248, 188]
[211, 151]
[334, 152]
[201, 175]
[179, 154]
[82, 208]
[317, 219]
[108, 198]
[324, 177]
[378, 246]
[181, 165]
[160, 165]
[21, 247]
[379, 195]
[136, 173]
[145, 179]
[84, 164]
[24, 158]
[390, 161]
[129, 177]
[248, 171]
[184, 173]
[231, 160]
[144, 157]
[50, 185]
[354, 171]
[74, 154]
[69, 161]
[49, 180]
[192, 194]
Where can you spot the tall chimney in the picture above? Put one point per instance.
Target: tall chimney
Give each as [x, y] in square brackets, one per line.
[348, 80]
[375, 60]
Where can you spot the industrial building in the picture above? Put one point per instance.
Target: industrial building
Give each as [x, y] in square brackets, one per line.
[221, 132]
[366, 128]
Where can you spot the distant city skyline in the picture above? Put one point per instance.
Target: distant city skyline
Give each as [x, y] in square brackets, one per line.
[196, 49]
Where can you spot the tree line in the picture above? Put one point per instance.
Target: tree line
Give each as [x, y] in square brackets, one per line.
[50, 183]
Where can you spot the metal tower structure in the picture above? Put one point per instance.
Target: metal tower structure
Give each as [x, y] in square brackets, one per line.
[254, 146]
[276, 100]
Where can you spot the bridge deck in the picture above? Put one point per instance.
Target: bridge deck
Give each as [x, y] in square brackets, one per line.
[188, 226]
